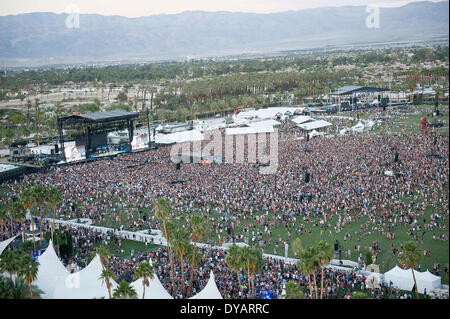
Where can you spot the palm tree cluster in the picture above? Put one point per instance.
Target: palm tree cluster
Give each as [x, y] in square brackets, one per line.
[181, 243]
[312, 260]
[245, 260]
[30, 201]
[20, 264]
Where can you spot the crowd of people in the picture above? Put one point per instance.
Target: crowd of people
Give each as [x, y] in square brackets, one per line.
[347, 186]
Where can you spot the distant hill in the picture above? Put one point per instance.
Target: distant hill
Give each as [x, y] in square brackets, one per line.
[195, 33]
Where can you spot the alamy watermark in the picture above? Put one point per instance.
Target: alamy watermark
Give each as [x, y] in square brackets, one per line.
[261, 149]
[373, 19]
[73, 16]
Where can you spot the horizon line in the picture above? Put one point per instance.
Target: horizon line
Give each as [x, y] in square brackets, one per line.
[382, 5]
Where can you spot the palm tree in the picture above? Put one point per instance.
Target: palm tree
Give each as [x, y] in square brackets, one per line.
[3, 220]
[233, 260]
[293, 291]
[181, 245]
[104, 254]
[54, 196]
[36, 119]
[146, 272]
[28, 200]
[163, 211]
[124, 291]
[410, 256]
[324, 255]
[198, 230]
[106, 276]
[19, 213]
[306, 265]
[40, 194]
[28, 271]
[10, 262]
[17, 289]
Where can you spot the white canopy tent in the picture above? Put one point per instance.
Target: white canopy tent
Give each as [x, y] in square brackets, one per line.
[358, 128]
[50, 270]
[210, 291]
[427, 280]
[301, 119]
[179, 137]
[84, 284]
[155, 290]
[314, 125]
[403, 279]
[249, 130]
[314, 133]
[5, 243]
[266, 123]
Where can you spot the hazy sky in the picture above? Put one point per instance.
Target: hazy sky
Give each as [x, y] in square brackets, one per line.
[137, 8]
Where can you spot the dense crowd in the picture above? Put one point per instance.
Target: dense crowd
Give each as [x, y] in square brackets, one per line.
[347, 186]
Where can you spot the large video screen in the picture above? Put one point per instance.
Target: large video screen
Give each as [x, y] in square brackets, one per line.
[139, 142]
[75, 153]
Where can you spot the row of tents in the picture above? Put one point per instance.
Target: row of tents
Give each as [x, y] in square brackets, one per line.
[58, 283]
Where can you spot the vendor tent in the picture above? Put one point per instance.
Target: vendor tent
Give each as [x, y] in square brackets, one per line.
[314, 125]
[249, 130]
[210, 291]
[51, 269]
[266, 123]
[427, 280]
[301, 119]
[84, 284]
[403, 279]
[314, 133]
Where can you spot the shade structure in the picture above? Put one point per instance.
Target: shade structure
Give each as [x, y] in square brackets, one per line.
[301, 119]
[51, 269]
[427, 280]
[249, 130]
[179, 137]
[5, 243]
[403, 279]
[210, 291]
[314, 125]
[266, 123]
[84, 284]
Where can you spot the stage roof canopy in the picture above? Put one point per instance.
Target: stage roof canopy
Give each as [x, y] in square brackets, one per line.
[350, 89]
[101, 117]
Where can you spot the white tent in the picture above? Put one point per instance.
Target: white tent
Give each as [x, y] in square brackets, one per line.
[84, 284]
[400, 278]
[249, 130]
[266, 123]
[155, 290]
[403, 279]
[5, 243]
[301, 119]
[314, 125]
[210, 291]
[427, 280]
[50, 270]
[179, 137]
[359, 128]
[314, 133]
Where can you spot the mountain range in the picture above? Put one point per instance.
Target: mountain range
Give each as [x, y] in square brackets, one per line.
[196, 33]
